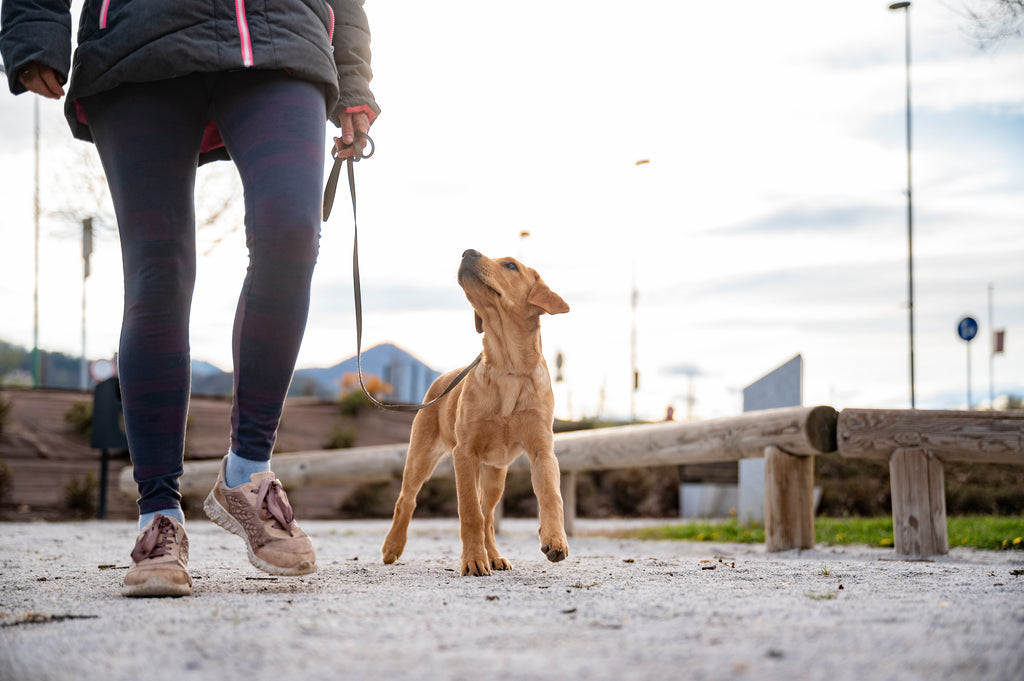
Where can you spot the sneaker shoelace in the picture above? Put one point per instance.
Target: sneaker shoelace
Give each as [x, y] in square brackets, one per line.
[272, 502]
[156, 541]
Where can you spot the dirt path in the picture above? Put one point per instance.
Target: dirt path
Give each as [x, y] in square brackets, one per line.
[616, 609]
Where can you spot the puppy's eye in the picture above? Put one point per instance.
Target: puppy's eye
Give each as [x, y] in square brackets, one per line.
[511, 266]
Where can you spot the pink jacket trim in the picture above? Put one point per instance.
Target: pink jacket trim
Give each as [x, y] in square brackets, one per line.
[365, 109]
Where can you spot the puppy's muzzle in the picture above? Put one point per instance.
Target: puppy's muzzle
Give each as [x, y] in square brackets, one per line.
[470, 261]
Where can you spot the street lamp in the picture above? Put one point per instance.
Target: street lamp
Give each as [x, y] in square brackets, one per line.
[35, 200]
[634, 372]
[910, 208]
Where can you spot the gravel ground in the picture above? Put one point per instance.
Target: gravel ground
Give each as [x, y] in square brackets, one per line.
[615, 609]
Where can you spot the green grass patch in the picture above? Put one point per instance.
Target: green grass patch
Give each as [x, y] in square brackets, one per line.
[840, 531]
[999, 533]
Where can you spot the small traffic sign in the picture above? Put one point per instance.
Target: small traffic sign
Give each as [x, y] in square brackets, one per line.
[967, 328]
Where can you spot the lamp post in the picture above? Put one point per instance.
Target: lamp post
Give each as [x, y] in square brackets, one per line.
[35, 202]
[910, 207]
[634, 376]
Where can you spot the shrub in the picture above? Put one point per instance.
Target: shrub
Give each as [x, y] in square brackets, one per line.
[352, 403]
[5, 480]
[5, 412]
[80, 418]
[372, 500]
[340, 437]
[80, 496]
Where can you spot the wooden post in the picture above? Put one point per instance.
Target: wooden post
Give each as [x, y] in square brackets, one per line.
[568, 484]
[788, 500]
[918, 503]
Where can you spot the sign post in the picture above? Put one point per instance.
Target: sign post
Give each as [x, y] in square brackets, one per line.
[108, 430]
[967, 329]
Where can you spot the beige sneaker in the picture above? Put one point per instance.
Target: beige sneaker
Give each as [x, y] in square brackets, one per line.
[258, 511]
[159, 561]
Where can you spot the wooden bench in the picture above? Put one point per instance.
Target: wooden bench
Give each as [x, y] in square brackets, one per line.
[916, 443]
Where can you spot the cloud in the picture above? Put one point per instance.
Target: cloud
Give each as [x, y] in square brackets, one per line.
[683, 370]
[812, 218]
[390, 298]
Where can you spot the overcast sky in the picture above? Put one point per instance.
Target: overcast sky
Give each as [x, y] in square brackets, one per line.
[770, 220]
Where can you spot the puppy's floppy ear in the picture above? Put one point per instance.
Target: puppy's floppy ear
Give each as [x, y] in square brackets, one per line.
[479, 322]
[546, 299]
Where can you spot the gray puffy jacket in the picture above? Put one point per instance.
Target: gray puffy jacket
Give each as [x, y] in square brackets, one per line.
[119, 41]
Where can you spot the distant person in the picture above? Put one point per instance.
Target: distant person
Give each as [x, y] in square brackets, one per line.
[161, 88]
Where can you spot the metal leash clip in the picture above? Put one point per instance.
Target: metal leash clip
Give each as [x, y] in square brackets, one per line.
[360, 151]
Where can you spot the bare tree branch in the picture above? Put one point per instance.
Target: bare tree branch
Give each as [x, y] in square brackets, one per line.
[81, 190]
[993, 21]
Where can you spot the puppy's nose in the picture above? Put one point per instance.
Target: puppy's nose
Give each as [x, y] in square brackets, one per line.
[470, 253]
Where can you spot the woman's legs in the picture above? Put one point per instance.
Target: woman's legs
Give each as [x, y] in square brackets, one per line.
[148, 137]
[273, 127]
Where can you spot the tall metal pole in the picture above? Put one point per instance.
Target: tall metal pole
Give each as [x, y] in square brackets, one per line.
[969, 406]
[910, 208]
[35, 297]
[36, 364]
[83, 363]
[635, 374]
[991, 353]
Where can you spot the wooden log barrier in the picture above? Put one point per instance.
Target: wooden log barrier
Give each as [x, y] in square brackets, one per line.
[796, 430]
[916, 443]
[963, 436]
[799, 431]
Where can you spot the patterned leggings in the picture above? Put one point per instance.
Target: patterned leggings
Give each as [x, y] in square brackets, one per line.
[148, 136]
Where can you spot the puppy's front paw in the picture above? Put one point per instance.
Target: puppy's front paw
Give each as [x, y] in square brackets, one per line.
[476, 567]
[555, 550]
[389, 556]
[392, 549]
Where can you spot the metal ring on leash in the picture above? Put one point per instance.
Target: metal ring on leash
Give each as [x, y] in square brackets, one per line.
[360, 152]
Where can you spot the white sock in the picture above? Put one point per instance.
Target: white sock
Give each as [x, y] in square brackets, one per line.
[146, 518]
[238, 470]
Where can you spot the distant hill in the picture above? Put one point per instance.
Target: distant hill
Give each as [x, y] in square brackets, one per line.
[200, 368]
[409, 377]
[57, 370]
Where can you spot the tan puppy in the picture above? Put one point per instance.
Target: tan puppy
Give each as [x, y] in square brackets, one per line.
[502, 409]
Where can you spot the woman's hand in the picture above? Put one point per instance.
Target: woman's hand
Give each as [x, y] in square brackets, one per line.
[353, 125]
[42, 80]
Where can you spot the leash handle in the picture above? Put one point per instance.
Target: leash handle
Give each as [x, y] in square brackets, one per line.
[329, 193]
[331, 190]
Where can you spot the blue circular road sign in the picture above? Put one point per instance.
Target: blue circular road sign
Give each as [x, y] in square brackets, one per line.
[967, 328]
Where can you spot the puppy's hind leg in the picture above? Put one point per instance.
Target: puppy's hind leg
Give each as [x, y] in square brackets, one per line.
[492, 486]
[419, 464]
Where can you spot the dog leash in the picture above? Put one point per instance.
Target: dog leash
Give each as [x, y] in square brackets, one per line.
[329, 193]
